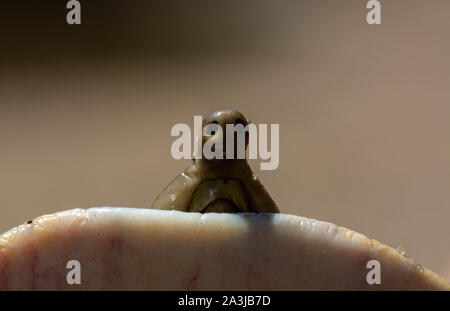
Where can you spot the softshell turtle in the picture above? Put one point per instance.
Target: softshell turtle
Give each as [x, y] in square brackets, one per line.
[217, 185]
[149, 249]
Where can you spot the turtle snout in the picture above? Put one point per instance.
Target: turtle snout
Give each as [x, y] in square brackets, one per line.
[226, 130]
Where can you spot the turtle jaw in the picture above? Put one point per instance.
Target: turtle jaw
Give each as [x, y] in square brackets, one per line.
[220, 195]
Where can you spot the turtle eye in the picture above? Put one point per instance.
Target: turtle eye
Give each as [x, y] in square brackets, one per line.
[211, 129]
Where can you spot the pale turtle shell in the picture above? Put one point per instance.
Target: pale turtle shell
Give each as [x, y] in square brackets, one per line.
[145, 249]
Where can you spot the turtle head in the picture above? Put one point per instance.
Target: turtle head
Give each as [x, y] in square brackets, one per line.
[216, 134]
[220, 181]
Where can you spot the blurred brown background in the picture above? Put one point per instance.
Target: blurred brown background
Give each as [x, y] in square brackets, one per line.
[364, 111]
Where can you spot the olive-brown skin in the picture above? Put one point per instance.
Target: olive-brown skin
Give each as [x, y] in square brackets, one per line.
[178, 194]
